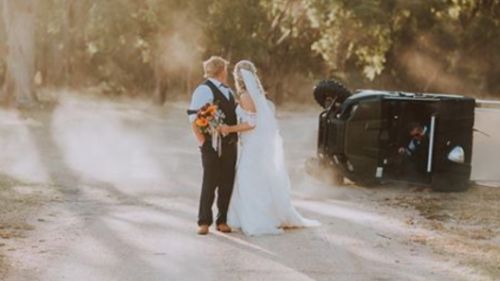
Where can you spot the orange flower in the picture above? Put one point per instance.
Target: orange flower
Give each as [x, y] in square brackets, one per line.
[209, 111]
[201, 122]
[205, 107]
[212, 109]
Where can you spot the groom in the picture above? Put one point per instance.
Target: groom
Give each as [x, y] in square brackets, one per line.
[218, 171]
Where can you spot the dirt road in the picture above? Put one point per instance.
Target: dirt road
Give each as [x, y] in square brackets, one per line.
[115, 188]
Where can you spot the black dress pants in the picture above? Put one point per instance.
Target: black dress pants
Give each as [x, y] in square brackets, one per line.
[218, 176]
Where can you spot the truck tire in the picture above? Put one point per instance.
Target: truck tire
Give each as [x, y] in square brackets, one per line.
[327, 90]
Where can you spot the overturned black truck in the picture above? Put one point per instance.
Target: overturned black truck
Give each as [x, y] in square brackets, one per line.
[374, 137]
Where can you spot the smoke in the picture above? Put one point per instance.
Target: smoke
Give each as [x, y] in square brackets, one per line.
[129, 145]
[102, 142]
[429, 73]
[179, 51]
[431, 68]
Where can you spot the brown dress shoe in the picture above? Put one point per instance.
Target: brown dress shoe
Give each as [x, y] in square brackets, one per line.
[224, 228]
[203, 230]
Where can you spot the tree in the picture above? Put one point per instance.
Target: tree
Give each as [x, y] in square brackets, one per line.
[19, 23]
[274, 34]
[155, 47]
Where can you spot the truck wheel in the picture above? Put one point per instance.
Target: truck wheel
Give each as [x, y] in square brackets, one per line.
[329, 90]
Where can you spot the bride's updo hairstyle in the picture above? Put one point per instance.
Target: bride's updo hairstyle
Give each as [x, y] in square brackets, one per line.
[238, 77]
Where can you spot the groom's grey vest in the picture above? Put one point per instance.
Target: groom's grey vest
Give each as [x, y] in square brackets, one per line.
[228, 106]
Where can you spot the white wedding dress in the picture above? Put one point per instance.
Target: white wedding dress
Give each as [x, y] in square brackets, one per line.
[261, 203]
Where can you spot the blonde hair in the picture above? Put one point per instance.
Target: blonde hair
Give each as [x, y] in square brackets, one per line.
[238, 78]
[214, 66]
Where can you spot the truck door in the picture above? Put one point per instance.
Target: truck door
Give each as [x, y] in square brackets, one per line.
[408, 158]
[362, 132]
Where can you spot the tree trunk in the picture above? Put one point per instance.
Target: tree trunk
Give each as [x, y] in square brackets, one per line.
[68, 41]
[161, 84]
[276, 80]
[19, 22]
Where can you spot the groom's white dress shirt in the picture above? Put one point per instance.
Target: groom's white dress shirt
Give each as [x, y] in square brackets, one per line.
[203, 95]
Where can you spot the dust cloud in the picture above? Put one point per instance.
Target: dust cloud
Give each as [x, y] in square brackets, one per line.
[430, 74]
[20, 157]
[423, 66]
[104, 142]
[179, 50]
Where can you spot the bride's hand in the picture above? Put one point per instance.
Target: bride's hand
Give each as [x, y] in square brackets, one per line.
[224, 130]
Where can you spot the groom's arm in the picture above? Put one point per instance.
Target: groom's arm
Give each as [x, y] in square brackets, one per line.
[201, 96]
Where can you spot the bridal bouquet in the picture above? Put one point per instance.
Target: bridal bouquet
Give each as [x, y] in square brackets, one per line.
[208, 118]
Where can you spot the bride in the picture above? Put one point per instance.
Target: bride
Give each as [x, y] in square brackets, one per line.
[260, 203]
